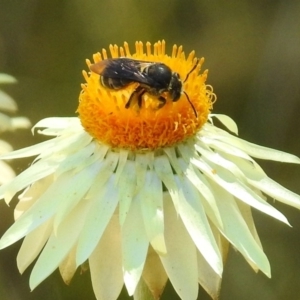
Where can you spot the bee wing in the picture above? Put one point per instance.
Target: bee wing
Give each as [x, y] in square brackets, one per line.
[99, 67]
[123, 68]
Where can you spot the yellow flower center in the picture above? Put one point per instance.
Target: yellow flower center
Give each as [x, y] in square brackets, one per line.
[154, 118]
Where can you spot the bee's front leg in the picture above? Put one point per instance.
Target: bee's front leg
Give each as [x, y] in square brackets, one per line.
[162, 101]
[140, 91]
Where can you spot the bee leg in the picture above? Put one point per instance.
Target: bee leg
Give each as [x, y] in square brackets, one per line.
[162, 101]
[139, 90]
[140, 99]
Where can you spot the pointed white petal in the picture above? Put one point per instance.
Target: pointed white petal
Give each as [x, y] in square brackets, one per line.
[236, 231]
[165, 173]
[134, 247]
[208, 279]
[81, 183]
[106, 263]
[58, 123]
[123, 154]
[201, 184]
[196, 223]
[67, 267]
[227, 121]
[180, 262]
[32, 245]
[154, 274]
[31, 194]
[58, 246]
[245, 211]
[126, 186]
[104, 203]
[250, 148]
[171, 153]
[48, 203]
[237, 188]
[71, 161]
[36, 172]
[257, 177]
[151, 201]
[29, 151]
[141, 164]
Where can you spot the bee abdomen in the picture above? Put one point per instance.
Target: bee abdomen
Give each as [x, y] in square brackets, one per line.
[114, 83]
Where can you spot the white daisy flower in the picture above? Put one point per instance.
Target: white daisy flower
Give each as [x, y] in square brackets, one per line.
[8, 124]
[146, 193]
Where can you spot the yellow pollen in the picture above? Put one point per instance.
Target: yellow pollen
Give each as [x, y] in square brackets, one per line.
[150, 124]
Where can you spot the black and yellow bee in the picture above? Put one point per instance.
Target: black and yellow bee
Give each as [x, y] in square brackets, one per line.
[153, 78]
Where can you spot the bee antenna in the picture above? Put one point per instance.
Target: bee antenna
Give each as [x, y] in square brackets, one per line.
[192, 105]
[193, 68]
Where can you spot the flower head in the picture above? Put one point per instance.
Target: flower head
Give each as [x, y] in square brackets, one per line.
[142, 193]
[103, 111]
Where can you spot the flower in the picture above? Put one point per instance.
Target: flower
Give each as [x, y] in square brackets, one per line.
[7, 123]
[148, 192]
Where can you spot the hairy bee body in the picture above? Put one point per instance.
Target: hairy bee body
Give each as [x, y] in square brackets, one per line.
[153, 78]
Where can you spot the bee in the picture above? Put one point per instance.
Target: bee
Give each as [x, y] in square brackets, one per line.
[153, 78]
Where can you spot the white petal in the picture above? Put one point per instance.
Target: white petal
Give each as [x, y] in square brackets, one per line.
[180, 262]
[154, 274]
[20, 122]
[165, 173]
[6, 173]
[208, 279]
[238, 189]
[32, 245]
[71, 161]
[31, 194]
[216, 158]
[134, 247]
[5, 122]
[104, 202]
[247, 216]
[58, 123]
[171, 153]
[127, 186]
[123, 154]
[236, 230]
[48, 203]
[250, 148]
[227, 121]
[200, 183]
[5, 147]
[7, 103]
[81, 182]
[67, 267]
[7, 79]
[141, 164]
[58, 246]
[196, 223]
[151, 201]
[36, 172]
[257, 177]
[106, 263]
[29, 151]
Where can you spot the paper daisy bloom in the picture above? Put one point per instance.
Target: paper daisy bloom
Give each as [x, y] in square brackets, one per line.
[144, 191]
[8, 124]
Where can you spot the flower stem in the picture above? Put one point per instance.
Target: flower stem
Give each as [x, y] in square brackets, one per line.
[142, 292]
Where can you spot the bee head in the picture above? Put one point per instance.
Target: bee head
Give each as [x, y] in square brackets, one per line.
[175, 87]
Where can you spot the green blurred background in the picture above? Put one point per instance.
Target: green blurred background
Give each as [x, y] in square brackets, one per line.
[252, 51]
